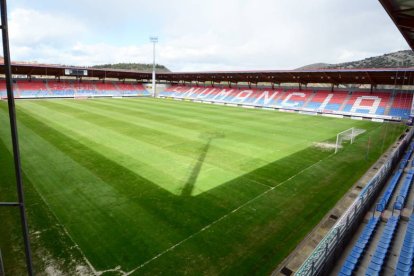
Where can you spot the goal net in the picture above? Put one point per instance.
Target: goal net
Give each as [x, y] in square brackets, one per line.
[347, 135]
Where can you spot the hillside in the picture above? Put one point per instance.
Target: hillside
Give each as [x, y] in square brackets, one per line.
[391, 60]
[314, 66]
[133, 66]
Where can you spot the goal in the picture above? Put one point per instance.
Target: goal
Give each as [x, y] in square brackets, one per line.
[80, 97]
[347, 135]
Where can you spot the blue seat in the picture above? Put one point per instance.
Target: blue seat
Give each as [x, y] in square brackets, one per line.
[353, 258]
[377, 261]
[383, 245]
[404, 191]
[358, 250]
[373, 269]
[350, 265]
[405, 260]
[345, 271]
[382, 250]
[402, 271]
[354, 254]
[379, 256]
[383, 202]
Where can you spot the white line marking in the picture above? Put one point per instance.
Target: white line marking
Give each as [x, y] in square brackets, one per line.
[223, 217]
[91, 267]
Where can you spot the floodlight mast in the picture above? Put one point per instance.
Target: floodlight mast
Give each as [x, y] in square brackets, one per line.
[153, 39]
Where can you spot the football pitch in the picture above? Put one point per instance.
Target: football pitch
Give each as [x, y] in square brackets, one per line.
[153, 186]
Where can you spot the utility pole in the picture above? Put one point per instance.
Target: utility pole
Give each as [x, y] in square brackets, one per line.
[153, 39]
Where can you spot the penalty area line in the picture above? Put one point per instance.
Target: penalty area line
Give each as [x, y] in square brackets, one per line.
[223, 217]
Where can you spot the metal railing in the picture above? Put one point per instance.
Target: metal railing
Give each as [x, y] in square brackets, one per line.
[1, 265]
[20, 205]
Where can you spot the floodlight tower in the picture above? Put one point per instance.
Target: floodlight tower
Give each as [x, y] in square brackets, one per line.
[153, 39]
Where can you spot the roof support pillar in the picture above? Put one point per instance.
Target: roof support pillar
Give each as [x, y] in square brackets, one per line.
[14, 139]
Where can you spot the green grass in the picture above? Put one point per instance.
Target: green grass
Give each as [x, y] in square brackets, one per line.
[133, 179]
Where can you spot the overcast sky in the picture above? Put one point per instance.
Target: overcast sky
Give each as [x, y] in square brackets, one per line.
[201, 34]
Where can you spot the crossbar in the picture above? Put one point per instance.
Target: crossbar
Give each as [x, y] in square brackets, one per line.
[9, 204]
[352, 129]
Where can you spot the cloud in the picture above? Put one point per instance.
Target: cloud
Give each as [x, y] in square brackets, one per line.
[31, 27]
[203, 35]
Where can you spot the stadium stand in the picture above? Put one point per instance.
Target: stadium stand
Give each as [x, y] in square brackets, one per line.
[335, 102]
[381, 251]
[377, 105]
[128, 89]
[364, 239]
[383, 202]
[294, 99]
[405, 261]
[401, 105]
[54, 89]
[348, 103]
[84, 89]
[354, 257]
[402, 196]
[32, 89]
[374, 103]
[378, 258]
[107, 89]
[3, 92]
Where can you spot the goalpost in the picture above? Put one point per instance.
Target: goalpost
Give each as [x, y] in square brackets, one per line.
[347, 135]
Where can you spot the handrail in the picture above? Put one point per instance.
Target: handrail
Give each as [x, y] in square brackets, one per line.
[381, 209]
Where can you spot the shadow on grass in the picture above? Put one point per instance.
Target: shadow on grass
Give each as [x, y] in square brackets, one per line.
[183, 213]
[195, 211]
[192, 179]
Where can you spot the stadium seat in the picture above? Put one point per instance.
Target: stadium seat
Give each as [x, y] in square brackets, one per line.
[401, 105]
[377, 260]
[383, 202]
[29, 89]
[366, 103]
[357, 251]
[359, 103]
[406, 258]
[36, 89]
[401, 198]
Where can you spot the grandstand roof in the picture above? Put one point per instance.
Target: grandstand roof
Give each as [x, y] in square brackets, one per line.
[391, 76]
[402, 13]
